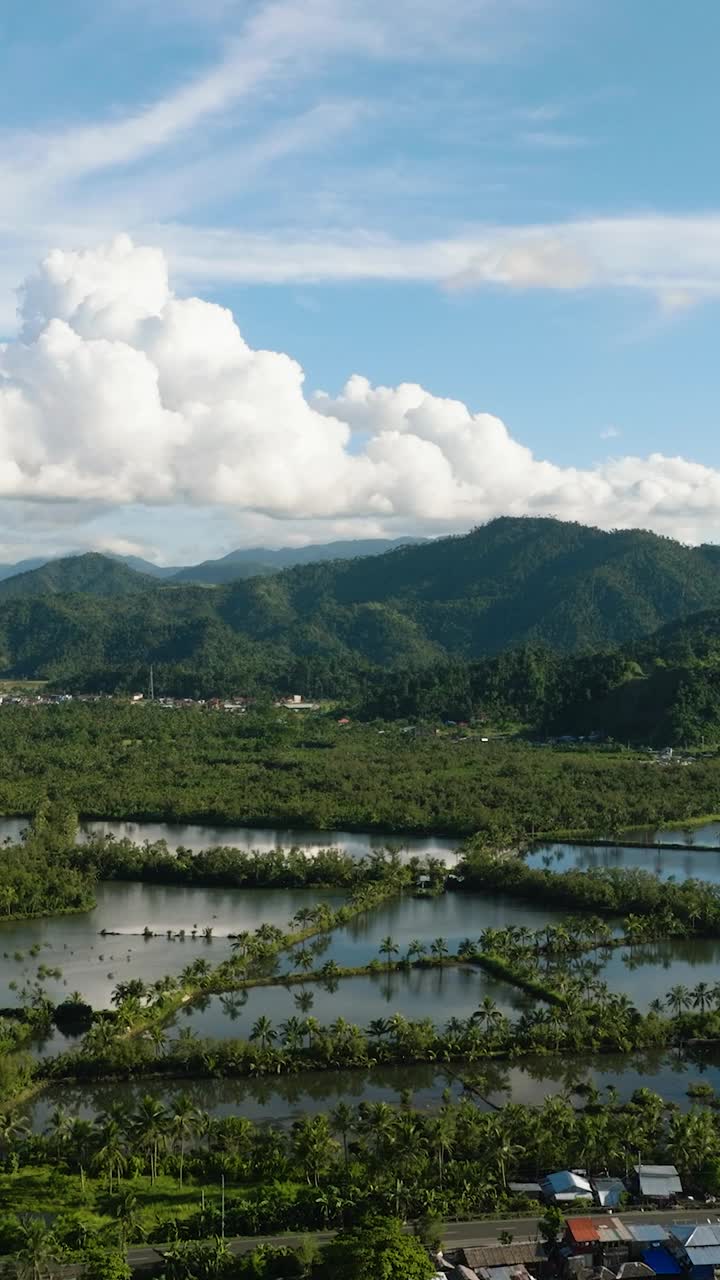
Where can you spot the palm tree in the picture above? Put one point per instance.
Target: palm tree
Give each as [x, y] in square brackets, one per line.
[416, 950]
[36, 1253]
[342, 1121]
[240, 944]
[701, 996]
[157, 1038]
[80, 1139]
[677, 999]
[185, 1123]
[111, 1156]
[150, 1127]
[388, 948]
[292, 1034]
[127, 1211]
[442, 1137]
[263, 1031]
[12, 1132]
[313, 1145]
[378, 1028]
[487, 1014]
[439, 949]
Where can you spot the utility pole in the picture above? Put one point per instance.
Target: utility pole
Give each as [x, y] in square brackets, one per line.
[152, 685]
[222, 1207]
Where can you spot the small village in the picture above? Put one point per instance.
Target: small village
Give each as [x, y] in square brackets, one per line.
[642, 1242]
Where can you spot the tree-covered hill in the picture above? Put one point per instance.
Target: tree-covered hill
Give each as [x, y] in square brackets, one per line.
[663, 690]
[91, 574]
[326, 628]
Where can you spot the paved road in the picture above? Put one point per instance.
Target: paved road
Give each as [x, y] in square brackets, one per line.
[457, 1234]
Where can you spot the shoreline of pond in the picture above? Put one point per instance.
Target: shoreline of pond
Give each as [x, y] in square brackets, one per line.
[289, 825]
[503, 1078]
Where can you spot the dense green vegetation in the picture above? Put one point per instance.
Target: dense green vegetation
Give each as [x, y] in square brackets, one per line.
[113, 760]
[91, 574]
[326, 627]
[154, 1173]
[38, 876]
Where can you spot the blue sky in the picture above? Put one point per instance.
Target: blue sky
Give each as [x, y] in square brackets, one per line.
[513, 203]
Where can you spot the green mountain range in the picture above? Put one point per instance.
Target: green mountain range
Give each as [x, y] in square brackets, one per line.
[330, 628]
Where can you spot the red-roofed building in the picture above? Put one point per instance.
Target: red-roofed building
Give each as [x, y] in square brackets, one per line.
[582, 1231]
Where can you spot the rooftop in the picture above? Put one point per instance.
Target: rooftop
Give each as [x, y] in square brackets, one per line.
[480, 1257]
[647, 1232]
[583, 1230]
[660, 1181]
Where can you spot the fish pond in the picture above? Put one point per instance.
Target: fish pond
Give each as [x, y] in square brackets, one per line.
[438, 994]
[281, 1100]
[69, 953]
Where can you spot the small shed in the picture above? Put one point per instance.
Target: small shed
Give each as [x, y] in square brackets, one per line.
[489, 1256]
[658, 1181]
[566, 1186]
[608, 1192]
[532, 1190]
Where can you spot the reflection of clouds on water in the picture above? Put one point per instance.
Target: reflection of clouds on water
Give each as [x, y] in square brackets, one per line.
[198, 837]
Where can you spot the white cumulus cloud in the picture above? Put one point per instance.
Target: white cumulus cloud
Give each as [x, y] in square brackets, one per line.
[117, 392]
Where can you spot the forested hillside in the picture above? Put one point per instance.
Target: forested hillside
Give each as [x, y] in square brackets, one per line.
[663, 690]
[91, 574]
[422, 613]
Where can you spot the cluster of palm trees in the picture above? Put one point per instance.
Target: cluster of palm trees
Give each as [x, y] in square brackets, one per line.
[416, 951]
[703, 996]
[325, 1169]
[117, 1145]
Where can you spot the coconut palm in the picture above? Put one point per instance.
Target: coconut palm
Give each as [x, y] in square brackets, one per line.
[36, 1254]
[150, 1128]
[263, 1031]
[677, 999]
[342, 1121]
[111, 1157]
[701, 996]
[389, 948]
[186, 1122]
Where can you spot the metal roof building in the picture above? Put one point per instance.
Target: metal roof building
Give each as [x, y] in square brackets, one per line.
[566, 1185]
[658, 1181]
[647, 1232]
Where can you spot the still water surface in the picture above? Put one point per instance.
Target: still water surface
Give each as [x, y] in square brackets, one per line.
[93, 965]
[438, 994]
[197, 837]
[281, 1101]
[678, 864]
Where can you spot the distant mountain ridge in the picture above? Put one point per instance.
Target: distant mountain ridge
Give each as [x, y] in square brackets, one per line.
[92, 621]
[243, 563]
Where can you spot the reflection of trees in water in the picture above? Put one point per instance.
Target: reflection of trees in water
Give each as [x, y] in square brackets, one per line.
[304, 1000]
[232, 1005]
